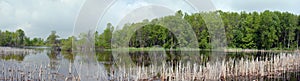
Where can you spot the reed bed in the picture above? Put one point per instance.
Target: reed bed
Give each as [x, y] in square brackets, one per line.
[222, 70]
[13, 71]
[10, 50]
[229, 69]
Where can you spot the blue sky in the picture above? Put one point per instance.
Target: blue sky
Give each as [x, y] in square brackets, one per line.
[39, 17]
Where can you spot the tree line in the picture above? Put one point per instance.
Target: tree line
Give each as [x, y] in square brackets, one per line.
[247, 30]
[265, 30]
[18, 39]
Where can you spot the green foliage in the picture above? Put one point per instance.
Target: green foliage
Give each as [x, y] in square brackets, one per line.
[18, 39]
[253, 30]
[104, 40]
[67, 44]
[297, 32]
[37, 42]
[198, 24]
[152, 35]
[264, 30]
[52, 39]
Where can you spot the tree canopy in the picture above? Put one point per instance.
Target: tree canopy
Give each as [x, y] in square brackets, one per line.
[248, 30]
[18, 39]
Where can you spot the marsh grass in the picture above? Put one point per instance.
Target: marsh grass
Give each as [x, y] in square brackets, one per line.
[221, 70]
[13, 71]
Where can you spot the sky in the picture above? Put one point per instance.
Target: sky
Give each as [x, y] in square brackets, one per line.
[39, 17]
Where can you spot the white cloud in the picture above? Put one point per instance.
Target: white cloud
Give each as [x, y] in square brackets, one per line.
[122, 8]
[258, 5]
[42, 15]
[25, 26]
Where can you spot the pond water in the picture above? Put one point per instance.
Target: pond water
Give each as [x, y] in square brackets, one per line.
[60, 65]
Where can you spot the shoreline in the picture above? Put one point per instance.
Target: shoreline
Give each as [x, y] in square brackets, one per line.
[188, 49]
[25, 48]
[13, 50]
[257, 50]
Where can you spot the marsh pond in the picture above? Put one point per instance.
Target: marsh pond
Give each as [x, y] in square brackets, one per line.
[35, 64]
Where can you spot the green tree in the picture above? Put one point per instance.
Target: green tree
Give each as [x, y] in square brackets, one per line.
[256, 26]
[52, 39]
[297, 32]
[200, 28]
[37, 42]
[268, 29]
[248, 29]
[104, 40]
[1, 38]
[7, 36]
[20, 37]
[27, 41]
[67, 44]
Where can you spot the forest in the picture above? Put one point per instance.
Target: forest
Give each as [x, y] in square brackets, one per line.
[246, 30]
